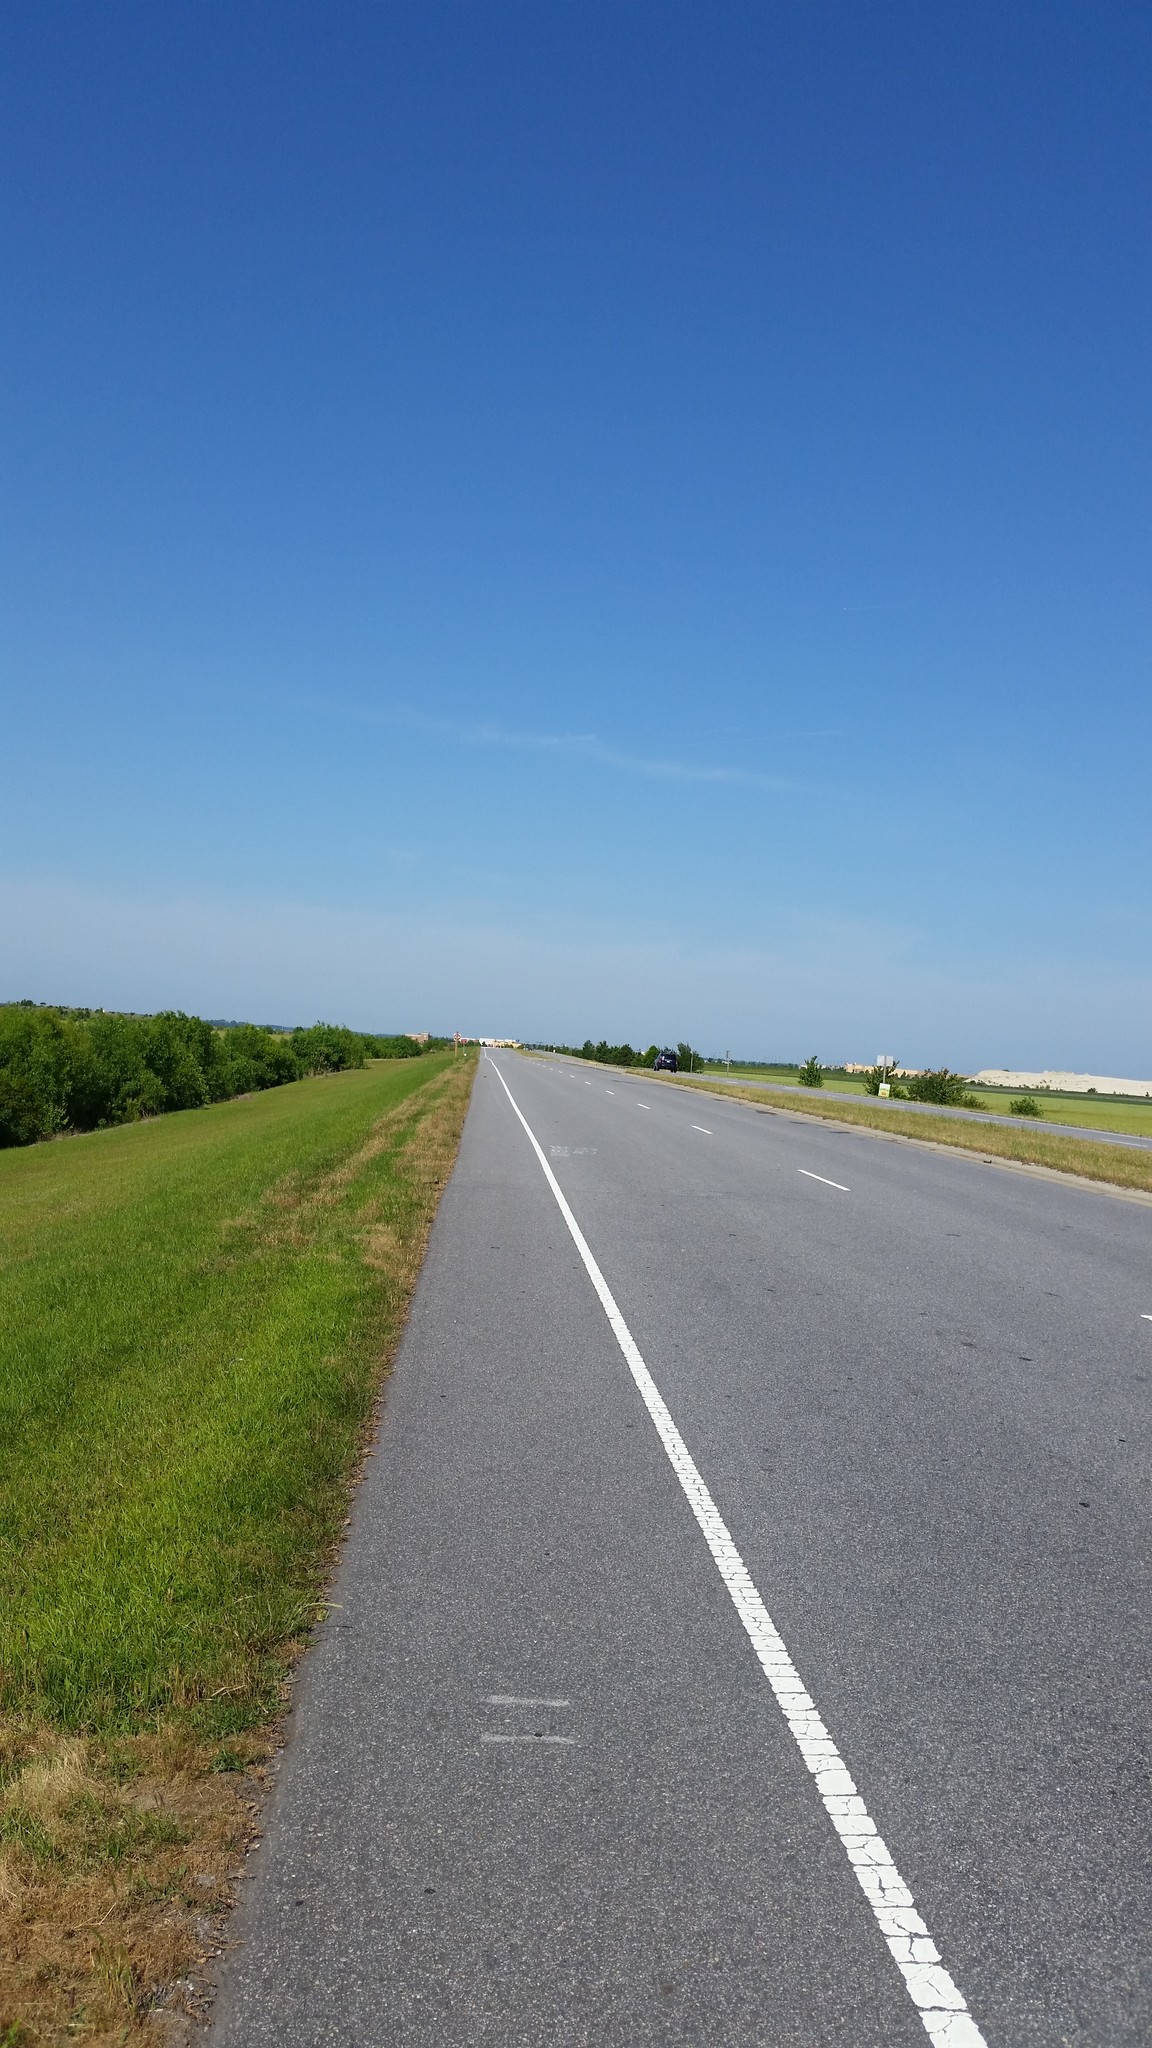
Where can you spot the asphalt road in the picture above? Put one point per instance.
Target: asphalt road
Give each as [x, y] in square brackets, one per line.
[550, 1780]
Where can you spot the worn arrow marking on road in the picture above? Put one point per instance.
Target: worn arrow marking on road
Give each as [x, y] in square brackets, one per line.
[940, 2004]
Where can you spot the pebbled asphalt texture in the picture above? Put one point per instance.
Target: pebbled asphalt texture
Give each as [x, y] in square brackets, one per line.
[922, 1407]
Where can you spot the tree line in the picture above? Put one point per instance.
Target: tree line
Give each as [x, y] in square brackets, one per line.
[689, 1060]
[80, 1070]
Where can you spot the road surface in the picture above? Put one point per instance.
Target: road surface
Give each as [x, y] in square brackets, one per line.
[743, 1635]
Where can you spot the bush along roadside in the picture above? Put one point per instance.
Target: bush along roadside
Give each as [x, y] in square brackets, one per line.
[81, 1070]
[937, 1085]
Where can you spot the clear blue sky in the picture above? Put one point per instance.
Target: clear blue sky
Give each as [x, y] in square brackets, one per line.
[558, 518]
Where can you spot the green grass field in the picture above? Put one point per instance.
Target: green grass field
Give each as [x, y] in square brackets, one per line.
[193, 1315]
[1128, 1115]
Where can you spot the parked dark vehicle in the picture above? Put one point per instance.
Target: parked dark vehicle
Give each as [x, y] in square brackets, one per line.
[665, 1062]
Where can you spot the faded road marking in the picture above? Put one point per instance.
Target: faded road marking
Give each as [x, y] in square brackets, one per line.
[568, 1741]
[518, 1699]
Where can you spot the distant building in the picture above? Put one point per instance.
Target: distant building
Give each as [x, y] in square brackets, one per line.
[1068, 1084]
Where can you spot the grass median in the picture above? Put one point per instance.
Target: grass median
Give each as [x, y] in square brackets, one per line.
[195, 1315]
[1128, 1115]
[1029, 1145]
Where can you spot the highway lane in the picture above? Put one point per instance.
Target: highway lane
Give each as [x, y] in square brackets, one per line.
[916, 1388]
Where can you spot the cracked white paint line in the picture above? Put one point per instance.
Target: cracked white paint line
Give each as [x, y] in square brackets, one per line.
[522, 1699]
[568, 1741]
[941, 2005]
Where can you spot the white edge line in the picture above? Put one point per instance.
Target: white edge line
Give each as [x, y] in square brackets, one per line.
[827, 1183]
[940, 2004]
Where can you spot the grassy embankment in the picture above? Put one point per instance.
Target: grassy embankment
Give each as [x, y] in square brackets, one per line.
[1128, 1116]
[1027, 1143]
[194, 1317]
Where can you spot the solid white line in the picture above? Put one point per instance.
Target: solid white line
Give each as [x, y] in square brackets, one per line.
[828, 1183]
[700, 1127]
[1145, 1318]
[941, 2006]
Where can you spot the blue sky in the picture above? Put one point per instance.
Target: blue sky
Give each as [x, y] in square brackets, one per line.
[550, 518]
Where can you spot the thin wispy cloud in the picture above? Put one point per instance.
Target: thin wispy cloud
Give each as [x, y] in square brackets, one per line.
[578, 746]
[588, 747]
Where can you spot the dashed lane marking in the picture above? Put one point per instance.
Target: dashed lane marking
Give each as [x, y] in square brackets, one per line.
[703, 1132]
[940, 2004]
[828, 1183]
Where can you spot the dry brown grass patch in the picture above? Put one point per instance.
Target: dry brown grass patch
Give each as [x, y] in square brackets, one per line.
[118, 1860]
[433, 1117]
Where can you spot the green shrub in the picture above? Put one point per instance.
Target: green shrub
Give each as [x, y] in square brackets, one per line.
[328, 1049]
[874, 1078]
[399, 1046]
[811, 1073]
[946, 1089]
[257, 1059]
[41, 1068]
[1024, 1105]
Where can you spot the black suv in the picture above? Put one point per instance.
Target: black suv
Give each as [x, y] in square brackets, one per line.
[665, 1062]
